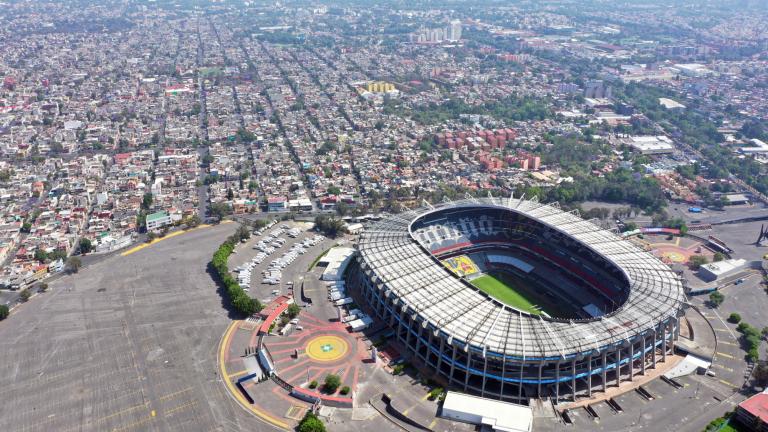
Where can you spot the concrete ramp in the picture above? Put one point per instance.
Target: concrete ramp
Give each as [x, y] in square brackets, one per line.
[255, 372]
[690, 364]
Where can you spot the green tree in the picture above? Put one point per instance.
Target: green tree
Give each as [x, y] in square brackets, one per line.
[40, 255]
[146, 201]
[192, 221]
[243, 233]
[4, 312]
[716, 298]
[310, 423]
[293, 310]
[629, 226]
[696, 261]
[332, 383]
[329, 226]
[85, 245]
[734, 318]
[760, 374]
[220, 210]
[719, 256]
[73, 264]
[43, 287]
[24, 295]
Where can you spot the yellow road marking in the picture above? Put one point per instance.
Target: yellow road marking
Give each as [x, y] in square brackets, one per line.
[725, 355]
[171, 235]
[153, 413]
[432, 425]
[127, 410]
[180, 408]
[242, 372]
[231, 387]
[723, 367]
[727, 343]
[132, 425]
[174, 394]
[423, 398]
[728, 383]
[409, 409]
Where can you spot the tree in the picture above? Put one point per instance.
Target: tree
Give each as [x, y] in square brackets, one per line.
[310, 423]
[243, 233]
[332, 383]
[293, 310]
[146, 201]
[73, 264]
[329, 226]
[192, 221]
[43, 287]
[760, 374]
[716, 298]
[719, 256]
[344, 390]
[4, 312]
[40, 255]
[629, 226]
[696, 261]
[220, 210]
[734, 318]
[24, 295]
[85, 245]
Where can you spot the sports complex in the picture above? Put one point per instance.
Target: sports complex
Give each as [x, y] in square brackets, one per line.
[513, 299]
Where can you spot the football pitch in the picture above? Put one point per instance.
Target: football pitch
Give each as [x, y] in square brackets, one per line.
[500, 290]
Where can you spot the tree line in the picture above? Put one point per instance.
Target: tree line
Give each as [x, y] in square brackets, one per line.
[241, 301]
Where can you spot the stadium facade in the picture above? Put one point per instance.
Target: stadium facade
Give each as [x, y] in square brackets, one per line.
[620, 305]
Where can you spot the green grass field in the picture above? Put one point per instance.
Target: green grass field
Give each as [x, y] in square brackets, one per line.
[505, 293]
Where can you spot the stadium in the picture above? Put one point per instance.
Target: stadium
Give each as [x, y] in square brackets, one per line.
[512, 299]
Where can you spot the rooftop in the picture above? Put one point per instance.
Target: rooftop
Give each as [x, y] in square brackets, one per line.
[757, 405]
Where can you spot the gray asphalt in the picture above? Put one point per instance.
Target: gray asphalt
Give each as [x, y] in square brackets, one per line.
[129, 343]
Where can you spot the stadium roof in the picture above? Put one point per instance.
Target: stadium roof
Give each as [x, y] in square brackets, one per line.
[466, 315]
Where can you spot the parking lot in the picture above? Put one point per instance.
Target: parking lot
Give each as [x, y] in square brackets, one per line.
[127, 344]
[269, 263]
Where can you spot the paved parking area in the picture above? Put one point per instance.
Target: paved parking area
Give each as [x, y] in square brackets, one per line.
[128, 344]
[292, 273]
[702, 398]
[689, 408]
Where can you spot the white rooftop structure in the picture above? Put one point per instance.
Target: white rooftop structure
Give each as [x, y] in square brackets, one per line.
[336, 261]
[650, 144]
[670, 104]
[499, 416]
[716, 269]
[692, 69]
[757, 146]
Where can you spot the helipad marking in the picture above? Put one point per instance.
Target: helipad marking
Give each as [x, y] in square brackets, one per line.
[327, 348]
